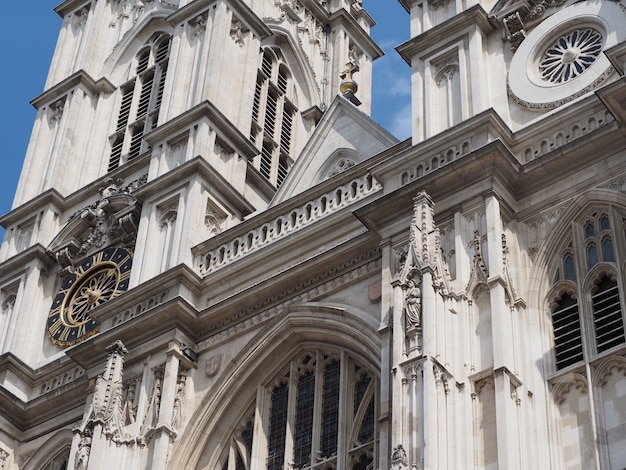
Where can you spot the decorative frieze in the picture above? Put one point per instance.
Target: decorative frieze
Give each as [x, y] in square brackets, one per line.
[140, 307]
[260, 312]
[565, 135]
[287, 224]
[431, 162]
[61, 379]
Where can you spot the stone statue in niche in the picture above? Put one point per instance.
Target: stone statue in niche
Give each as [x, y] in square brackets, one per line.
[82, 457]
[413, 304]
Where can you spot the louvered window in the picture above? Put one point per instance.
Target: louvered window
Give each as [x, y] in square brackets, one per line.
[567, 334]
[607, 315]
[273, 117]
[140, 102]
[590, 324]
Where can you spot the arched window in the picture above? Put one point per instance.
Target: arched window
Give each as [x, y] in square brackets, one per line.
[318, 414]
[59, 462]
[140, 102]
[587, 313]
[273, 114]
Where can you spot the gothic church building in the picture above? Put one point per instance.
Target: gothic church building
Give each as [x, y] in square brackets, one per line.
[217, 260]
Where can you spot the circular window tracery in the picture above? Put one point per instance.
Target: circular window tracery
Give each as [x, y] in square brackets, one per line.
[570, 55]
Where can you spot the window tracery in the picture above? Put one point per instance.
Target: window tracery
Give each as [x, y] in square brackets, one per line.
[587, 313]
[300, 415]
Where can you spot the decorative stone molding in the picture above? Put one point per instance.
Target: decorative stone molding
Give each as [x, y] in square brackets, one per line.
[177, 417]
[567, 134]
[238, 32]
[286, 224]
[79, 18]
[107, 403]
[4, 455]
[55, 111]
[61, 379]
[480, 273]
[607, 367]
[111, 220]
[399, 458]
[564, 384]
[539, 228]
[512, 297]
[342, 165]
[543, 73]
[446, 69]
[140, 307]
[618, 184]
[151, 417]
[259, 312]
[555, 104]
[431, 162]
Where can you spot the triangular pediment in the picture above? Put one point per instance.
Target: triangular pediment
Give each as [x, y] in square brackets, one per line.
[345, 136]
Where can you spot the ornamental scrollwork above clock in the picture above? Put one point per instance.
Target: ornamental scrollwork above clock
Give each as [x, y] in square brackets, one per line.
[100, 278]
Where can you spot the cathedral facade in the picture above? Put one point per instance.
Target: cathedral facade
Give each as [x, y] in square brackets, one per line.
[217, 260]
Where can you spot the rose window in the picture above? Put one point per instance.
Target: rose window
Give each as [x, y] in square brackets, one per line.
[570, 55]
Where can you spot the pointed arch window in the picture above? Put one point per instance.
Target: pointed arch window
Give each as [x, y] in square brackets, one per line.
[140, 102]
[587, 310]
[300, 417]
[273, 117]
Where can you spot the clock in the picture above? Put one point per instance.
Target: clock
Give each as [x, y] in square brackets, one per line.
[101, 277]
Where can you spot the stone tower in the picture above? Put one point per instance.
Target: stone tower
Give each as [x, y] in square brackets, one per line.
[216, 260]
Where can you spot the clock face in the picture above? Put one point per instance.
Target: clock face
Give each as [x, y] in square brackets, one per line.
[101, 277]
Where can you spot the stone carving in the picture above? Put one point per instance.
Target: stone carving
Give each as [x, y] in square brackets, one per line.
[286, 224]
[3, 456]
[526, 12]
[129, 412]
[113, 219]
[61, 379]
[413, 304]
[432, 162]
[212, 365]
[398, 457]
[238, 32]
[446, 69]
[140, 307]
[106, 404]
[84, 448]
[55, 111]
[197, 26]
[262, 311]
[152, 412]
[177, 418]
[79, 18]
[479, 273]
[555, 104]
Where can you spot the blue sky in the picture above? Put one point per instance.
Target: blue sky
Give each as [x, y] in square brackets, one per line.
[28, 39]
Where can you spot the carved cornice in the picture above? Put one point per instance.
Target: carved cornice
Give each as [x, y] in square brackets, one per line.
[79, 79]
